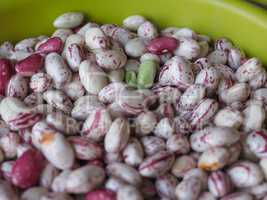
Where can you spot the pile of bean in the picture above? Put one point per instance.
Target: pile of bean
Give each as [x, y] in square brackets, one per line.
[103, 112]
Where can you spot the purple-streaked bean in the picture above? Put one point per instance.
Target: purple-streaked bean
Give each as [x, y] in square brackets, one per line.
[69, 20]
[219, 184]
[6, 170]
[181, 125]
[202, 63]
[63, 123]
[167, 94]
[17, 87]
[259, 80]
[225, 71]
[85, 149]
[34, 193]
[156, 164]
[147, 30]
[125, 173]
[40, 82]
[6, 50]
[203, 112]
[224, 84]
[121, 35]
[206, 196]
[63, 34]
[73, 39]
[111, 92]
[259, 191]
[165, 186]
[178, 144]
[204, 49]
[263, 165]
[235, 58]
[113, 183]
[188, 48]
[84, 106]
[26, 44]
[33, 99]
[60, 181]
[238, 196]
[133, 102]
[208, 137]
[145, 123]
[248, 70]
[135, 48]
[133, 153]
[85, 27]
[198, 173]
[228, 117]
[130, 193]
[16, 114]
[113, 157]
[254, 116]
[188, 189]
[74, 56]
[95, 38]
[117, 136]
[238, 92]
[116, 75]
[9, 144]
[245, 174]
[223, 44]
[56, 196]
[111, 59]
[59, 100]
[152, 144]
[53, 44]
[185, 33]
[176, 71]
[85, 179]
[7, 192]
[20, 55]
[93, 78]
[192, 96]
[58, 70]
[182, 165]
[257, 141]
[162, 45]
[48, 174]
[97, 125]
[217, 57]
[133, 22]
[164, 128]
[209, 78]
[74, 89]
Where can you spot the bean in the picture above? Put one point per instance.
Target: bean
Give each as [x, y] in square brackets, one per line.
[146, 74]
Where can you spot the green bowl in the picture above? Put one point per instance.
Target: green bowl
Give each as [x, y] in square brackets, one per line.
[243, 23]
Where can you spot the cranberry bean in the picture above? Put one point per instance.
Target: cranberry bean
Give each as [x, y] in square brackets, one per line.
[74, 56]
[34, 193]
[133, 153]
[156, 164]
[85, 179]
[69, 20]
[152, 144]
[111, 59]
[217, 57]
[40, 82]
[125, 173]
[188, 48]
[164, 128]
[85, 149]
[145, 123]
[61, 33]
[219, 184]
[165, 186]
[96, 39]
[182, 165]
[17, 87]
[47, 176]
[229, 117]
[133, 22]
[238, 196]
[129, 192]
[74, 89]
[188, 189]
[178, 144]
[60, 181]
[245, 174]
[147, 30]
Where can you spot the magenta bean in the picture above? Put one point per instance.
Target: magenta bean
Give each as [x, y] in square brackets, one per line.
[53, 44]
[162, 45]
[5, 74]
[101, 194]
[30, 65]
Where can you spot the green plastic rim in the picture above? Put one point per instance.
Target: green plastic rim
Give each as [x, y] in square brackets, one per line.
[243, 23]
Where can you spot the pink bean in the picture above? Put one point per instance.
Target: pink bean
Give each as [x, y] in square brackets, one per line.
[162, 45]
[5, 74]
[27, 169]
[29, 65]
[53, 44]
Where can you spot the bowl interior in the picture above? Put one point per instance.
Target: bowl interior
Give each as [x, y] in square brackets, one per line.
[243, 23]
